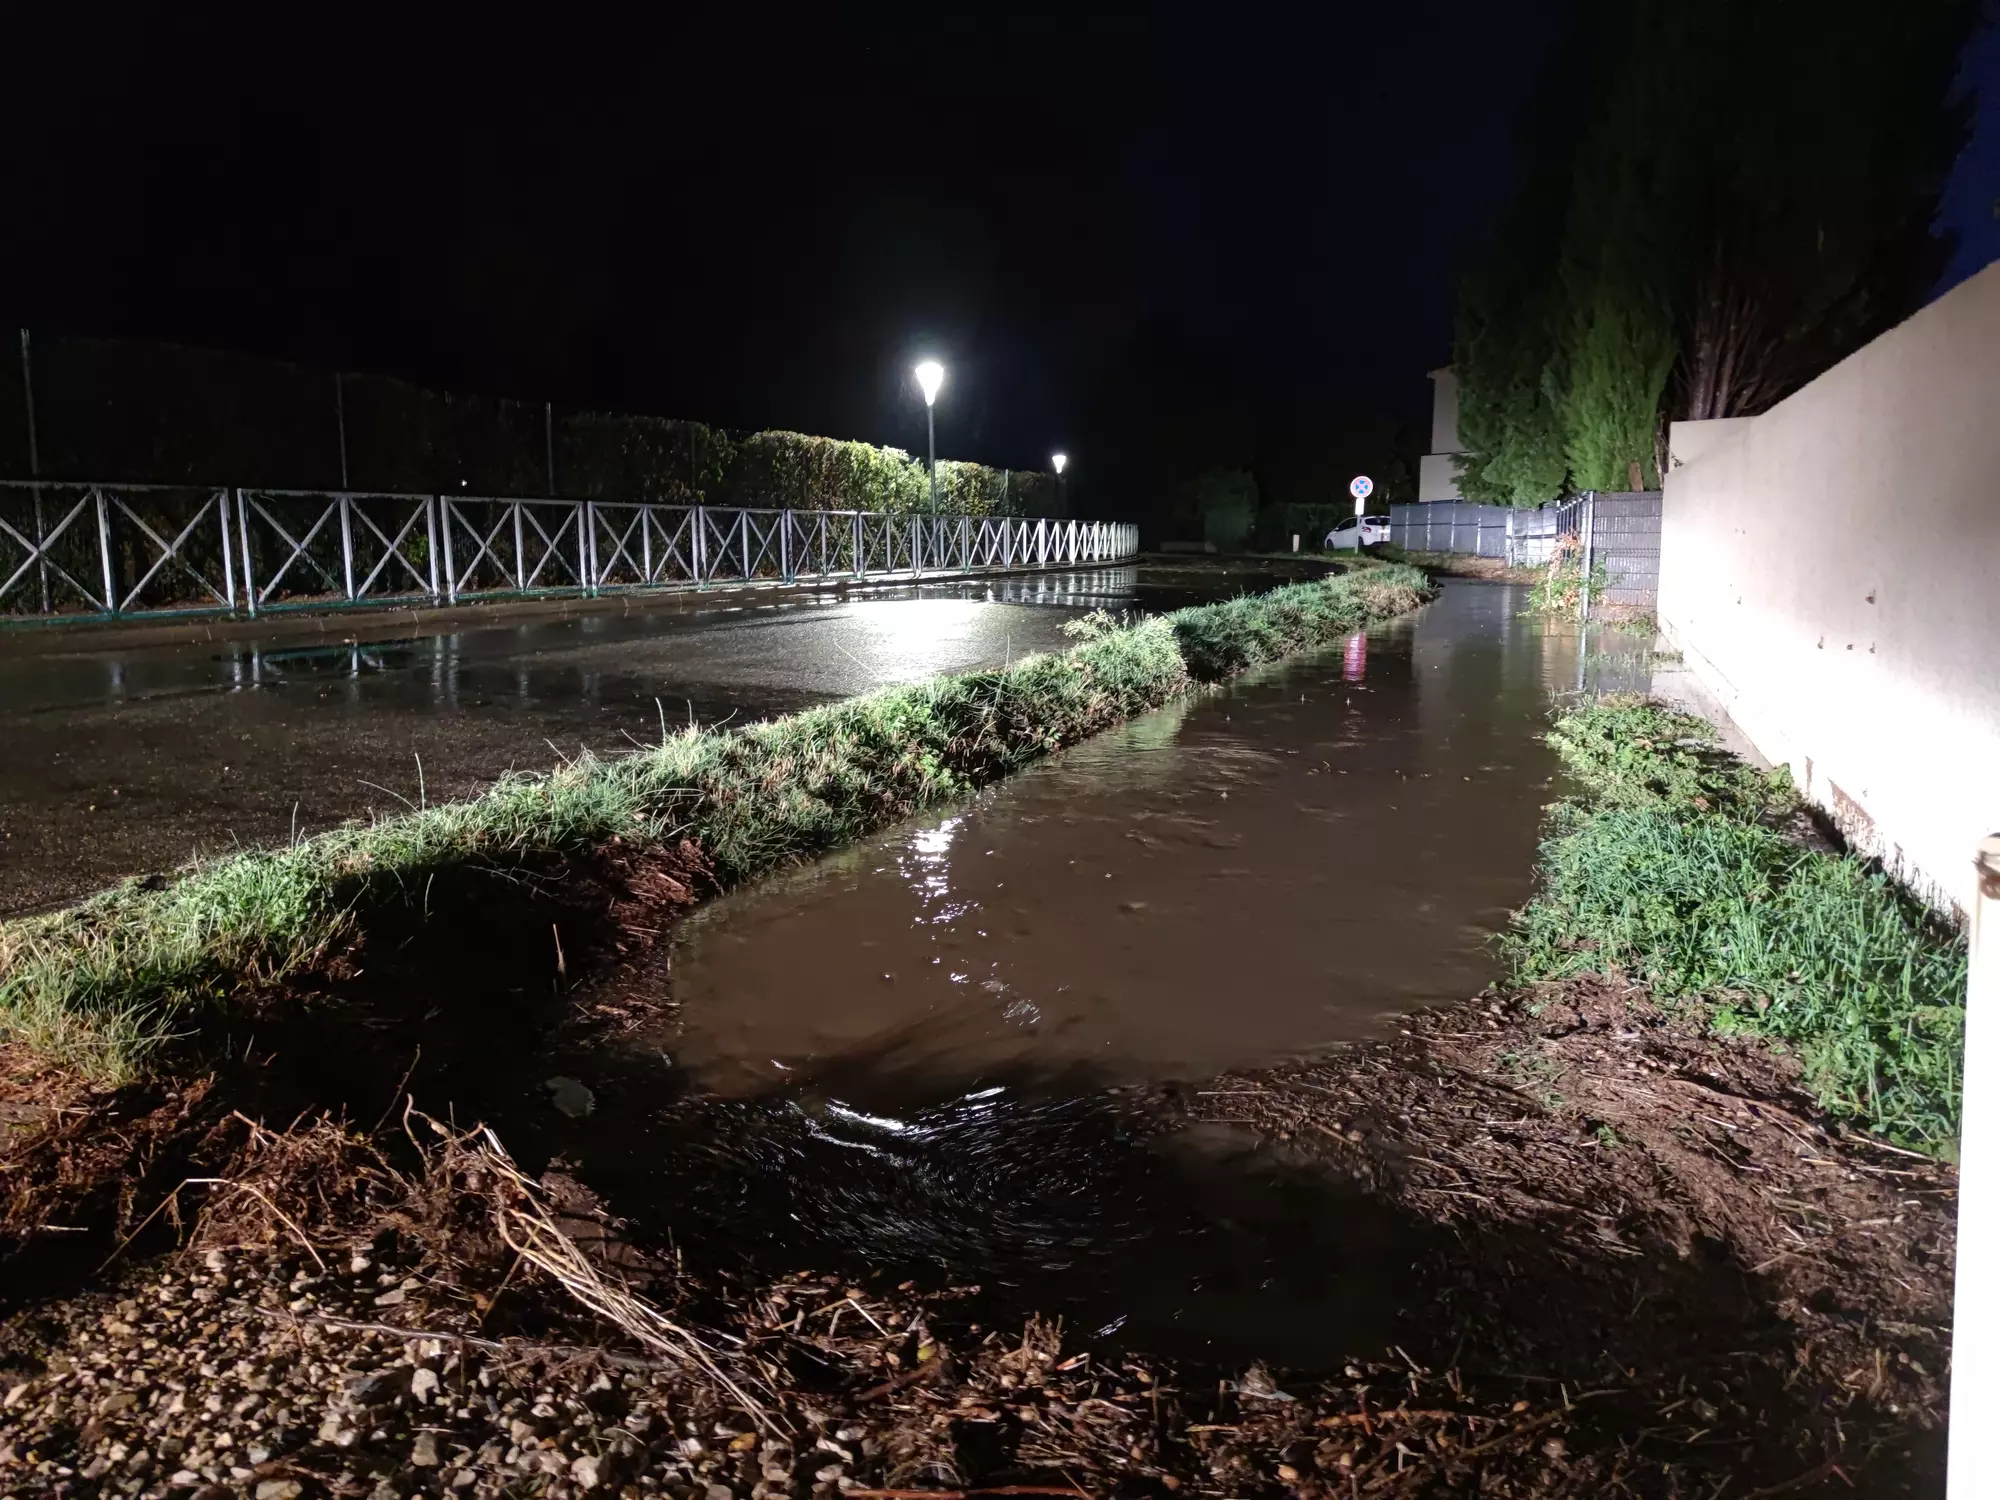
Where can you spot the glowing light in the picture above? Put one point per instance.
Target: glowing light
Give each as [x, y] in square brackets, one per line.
[930, 375]
[1061, 461]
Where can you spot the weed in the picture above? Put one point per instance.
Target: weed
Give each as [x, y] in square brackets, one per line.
[1560, 588]
[1628, 750]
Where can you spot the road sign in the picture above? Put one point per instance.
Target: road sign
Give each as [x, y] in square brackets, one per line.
[1360, 487]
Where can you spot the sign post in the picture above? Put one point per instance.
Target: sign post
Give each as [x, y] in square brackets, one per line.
[1360, 487]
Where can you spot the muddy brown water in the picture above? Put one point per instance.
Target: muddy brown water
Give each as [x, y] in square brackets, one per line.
[942, 1053]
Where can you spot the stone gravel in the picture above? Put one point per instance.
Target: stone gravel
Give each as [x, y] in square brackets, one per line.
[206, 1379]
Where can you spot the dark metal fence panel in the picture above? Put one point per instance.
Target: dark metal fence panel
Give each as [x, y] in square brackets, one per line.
[1450, 526]
[1625, 543]
[1623, 528]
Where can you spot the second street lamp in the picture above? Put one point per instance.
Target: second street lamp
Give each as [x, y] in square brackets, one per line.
[930, 375]
[1060, 461]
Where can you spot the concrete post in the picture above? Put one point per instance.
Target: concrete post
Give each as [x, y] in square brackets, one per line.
[1974, 1471]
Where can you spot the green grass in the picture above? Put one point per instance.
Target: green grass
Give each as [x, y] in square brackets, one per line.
[103, 986]
[1627, 750]
[1672, 870]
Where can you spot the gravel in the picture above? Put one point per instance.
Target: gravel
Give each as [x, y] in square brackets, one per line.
[210, 1378]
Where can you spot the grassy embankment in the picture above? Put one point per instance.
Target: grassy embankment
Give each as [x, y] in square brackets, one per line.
[1681, 867]
[102, 987]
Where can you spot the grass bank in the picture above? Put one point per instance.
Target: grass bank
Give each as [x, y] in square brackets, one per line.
[103, 986]
[1684, 867]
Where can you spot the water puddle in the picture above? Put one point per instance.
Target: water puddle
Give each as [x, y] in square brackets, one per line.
[940, 1053]
[1269, 870]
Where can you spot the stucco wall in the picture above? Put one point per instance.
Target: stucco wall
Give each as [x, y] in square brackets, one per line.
[1444, 411]
[1437, 477]
[1437, 471]
[1688, 441]
[1832, 573]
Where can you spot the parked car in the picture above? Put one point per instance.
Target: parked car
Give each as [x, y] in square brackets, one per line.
[1353, 533]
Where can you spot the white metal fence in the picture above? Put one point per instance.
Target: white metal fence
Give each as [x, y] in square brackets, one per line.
[100, 551]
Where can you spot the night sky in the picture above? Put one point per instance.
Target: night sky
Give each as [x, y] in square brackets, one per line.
[1190, 225]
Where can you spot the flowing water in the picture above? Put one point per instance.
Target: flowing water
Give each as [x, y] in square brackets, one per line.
[933, 1052]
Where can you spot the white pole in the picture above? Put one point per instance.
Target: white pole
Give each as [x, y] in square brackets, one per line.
[1974, 1462]
[340, 422]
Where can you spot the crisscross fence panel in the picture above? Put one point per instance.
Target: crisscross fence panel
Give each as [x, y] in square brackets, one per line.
[82, 551]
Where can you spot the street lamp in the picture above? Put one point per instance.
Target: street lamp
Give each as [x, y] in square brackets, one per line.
[930, 375]
[1061, 462]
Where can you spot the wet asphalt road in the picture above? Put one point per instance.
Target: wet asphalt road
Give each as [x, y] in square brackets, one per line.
[129, 762]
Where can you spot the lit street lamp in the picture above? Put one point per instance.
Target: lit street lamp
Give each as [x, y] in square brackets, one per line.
[930, 375]
[1061, 462]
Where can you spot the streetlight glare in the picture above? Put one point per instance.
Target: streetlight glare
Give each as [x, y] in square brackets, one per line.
[1060, 460]
[930, 375]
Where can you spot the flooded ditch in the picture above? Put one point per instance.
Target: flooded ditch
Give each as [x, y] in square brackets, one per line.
[944, 1053]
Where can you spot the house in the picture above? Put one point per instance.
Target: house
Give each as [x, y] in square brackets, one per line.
[1437, 471]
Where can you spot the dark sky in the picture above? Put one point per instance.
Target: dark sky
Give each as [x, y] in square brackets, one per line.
[1971, 205]
[760, 217]
[1169, 226]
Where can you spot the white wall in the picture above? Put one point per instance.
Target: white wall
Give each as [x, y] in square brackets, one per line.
[1437, 472]
[1688, 441]
[1444, 411]
[1831, 569]
[1437, 477]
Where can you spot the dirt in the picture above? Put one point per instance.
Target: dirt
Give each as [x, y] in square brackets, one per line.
[1643, 1207]
[1464, 565]
[509, 962]
[1643, 1263]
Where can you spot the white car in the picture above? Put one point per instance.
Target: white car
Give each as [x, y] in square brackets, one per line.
[1355, 532]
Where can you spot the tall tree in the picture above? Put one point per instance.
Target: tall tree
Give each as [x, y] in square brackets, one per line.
[1746, 196]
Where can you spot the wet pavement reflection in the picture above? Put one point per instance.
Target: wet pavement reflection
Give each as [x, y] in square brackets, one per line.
[116, 763]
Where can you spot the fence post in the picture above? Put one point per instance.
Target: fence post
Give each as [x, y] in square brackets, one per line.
[450, 563]
[785, 546]
[431, 526]
[700, 549]
[1589, 541]
[582, 550]
[340, 421]
[249, 570]
[549, 442]
[1973, 1461]
[520, 553]
[646, 541]
[228, 563]
[346, 545]
[104, 549]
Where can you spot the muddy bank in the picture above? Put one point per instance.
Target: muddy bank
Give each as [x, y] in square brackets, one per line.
[1637, 1261]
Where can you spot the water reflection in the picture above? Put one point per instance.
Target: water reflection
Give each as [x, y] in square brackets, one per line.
[1263, 871]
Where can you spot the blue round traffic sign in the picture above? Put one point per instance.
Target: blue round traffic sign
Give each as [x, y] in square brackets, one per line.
[1361, 487]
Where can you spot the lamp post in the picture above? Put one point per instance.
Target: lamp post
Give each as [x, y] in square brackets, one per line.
[930, 375]
[1061, 462]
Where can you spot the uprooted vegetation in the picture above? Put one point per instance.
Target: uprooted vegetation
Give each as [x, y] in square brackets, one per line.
[350, 1329]
[1687, 869]
[103, 986]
